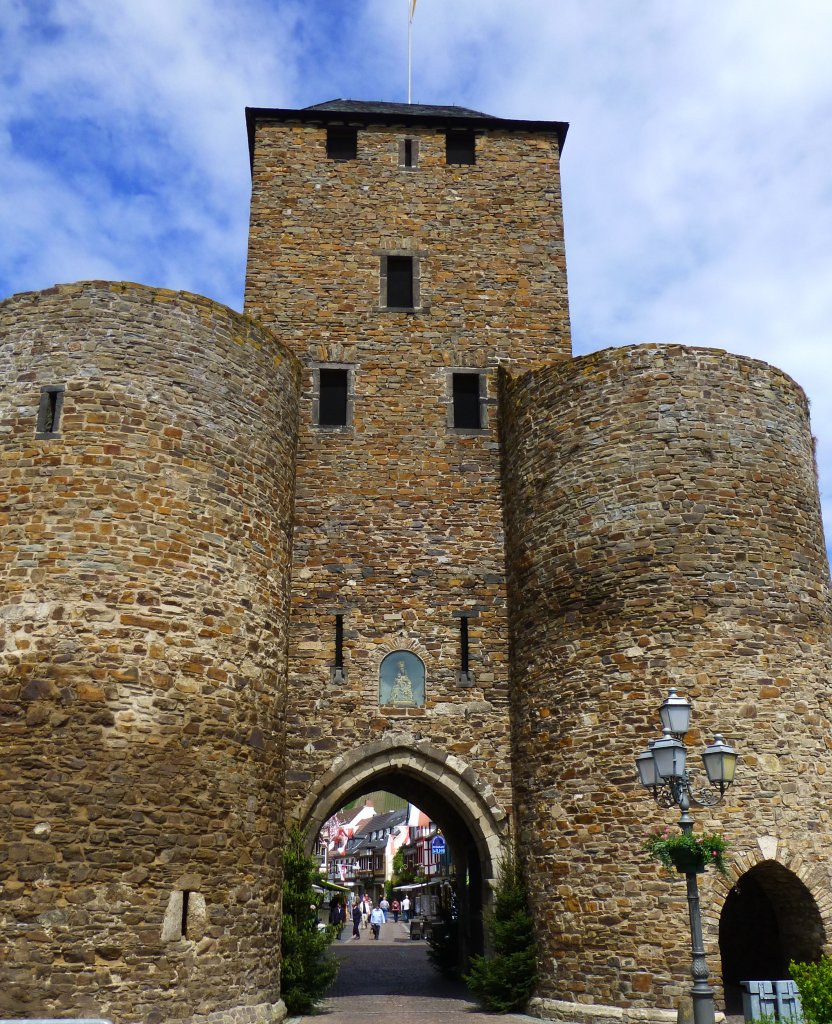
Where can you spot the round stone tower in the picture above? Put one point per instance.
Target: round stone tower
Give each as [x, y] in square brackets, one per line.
[146, 489]
[663, 530]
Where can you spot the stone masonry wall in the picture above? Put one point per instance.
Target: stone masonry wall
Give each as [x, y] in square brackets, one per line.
[663, 530]
[398, 517]
[144, 586]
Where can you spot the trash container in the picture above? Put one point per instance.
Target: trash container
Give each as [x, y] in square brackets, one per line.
[415, 929]
[758, 999]
[788, 1001]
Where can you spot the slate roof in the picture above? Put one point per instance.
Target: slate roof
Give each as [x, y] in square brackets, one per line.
[362, 841]
[382, 107]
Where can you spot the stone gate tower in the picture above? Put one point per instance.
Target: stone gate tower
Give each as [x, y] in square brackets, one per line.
[384, 532]
[405, 253]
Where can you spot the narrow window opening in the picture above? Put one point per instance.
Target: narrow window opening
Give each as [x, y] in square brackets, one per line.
[332, 397]
[408, 153]
[339, 641]
[400, 282]
[186, 899]
[466, 399]
[338, 673]
[49, 411]
[341, 143]
[460, 147]
[464, 677]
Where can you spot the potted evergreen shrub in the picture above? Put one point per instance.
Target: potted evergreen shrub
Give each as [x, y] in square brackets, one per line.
[505, 980]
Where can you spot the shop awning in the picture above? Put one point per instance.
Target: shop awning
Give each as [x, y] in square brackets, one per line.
[322, 885]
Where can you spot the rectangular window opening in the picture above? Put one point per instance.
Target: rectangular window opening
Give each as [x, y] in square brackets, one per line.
[333, 387]
[341, 143]
[460, 147]
[49, 410]
[466, 399]
[400, 282]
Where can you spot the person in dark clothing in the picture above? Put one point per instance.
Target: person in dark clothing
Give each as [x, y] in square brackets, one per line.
[337, 916]
[356, 921]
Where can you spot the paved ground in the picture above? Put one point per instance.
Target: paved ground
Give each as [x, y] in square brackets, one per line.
[392, 980]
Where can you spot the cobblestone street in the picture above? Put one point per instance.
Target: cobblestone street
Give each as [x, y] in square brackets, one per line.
[392, 979]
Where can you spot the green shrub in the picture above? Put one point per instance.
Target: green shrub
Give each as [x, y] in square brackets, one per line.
[814, 983]
[505, 980]
[307, 972]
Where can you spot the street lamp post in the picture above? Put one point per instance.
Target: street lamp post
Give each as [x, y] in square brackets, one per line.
[662, 768]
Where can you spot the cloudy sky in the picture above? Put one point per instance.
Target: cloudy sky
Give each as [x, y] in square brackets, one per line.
[697, 174]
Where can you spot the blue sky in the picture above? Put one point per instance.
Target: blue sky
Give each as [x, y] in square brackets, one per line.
[697, 174]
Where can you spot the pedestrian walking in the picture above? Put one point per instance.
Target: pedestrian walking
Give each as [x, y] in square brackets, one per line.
[395, 906]
[376, 921]
[406, 909]
[385, 906]
[366, 907]
[356, 921]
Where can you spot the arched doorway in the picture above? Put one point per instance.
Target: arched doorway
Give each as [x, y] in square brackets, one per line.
[769, 918]
[474, 826]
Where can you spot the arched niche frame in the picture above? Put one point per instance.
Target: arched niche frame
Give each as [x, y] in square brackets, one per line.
[385, 666]
[401, 680]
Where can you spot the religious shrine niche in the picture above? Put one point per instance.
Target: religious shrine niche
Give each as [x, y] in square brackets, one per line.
[401, 681]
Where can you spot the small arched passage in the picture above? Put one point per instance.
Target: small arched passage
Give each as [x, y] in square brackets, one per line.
[769, 918]
[444, 787]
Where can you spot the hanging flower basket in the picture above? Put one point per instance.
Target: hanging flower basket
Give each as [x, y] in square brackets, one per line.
[687, 853]
[687, 863]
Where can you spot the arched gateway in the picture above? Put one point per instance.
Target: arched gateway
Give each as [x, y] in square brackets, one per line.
[474, 825]
[440, 783]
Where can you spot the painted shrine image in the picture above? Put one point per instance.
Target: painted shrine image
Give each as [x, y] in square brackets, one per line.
[401, 681]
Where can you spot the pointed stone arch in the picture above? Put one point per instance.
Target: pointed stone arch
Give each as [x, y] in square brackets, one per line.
[775, 897]
[440, 782]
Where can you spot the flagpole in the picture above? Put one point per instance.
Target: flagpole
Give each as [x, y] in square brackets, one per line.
[409, 46]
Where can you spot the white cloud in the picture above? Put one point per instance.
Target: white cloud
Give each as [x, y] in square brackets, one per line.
[125, 146]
